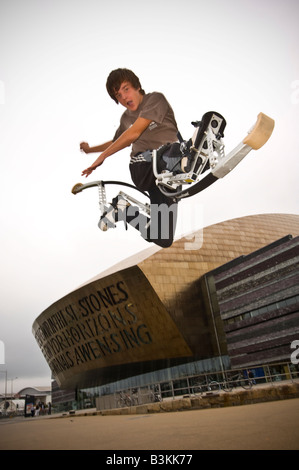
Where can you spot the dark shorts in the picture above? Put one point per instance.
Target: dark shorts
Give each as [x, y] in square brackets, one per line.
[144, 179]
[142, 175]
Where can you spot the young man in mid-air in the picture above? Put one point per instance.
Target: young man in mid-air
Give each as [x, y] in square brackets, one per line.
[147, 123]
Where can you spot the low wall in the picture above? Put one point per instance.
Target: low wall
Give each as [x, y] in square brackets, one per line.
[237, 398]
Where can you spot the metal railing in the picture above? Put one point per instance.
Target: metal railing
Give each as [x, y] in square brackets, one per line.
[210, 382]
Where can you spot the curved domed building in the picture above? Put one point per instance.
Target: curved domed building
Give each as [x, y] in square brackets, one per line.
[173, 307]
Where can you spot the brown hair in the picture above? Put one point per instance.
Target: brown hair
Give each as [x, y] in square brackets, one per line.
[117, 77]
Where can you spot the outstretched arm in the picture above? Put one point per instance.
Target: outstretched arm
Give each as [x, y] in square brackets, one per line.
[98, 148]
[125, 140]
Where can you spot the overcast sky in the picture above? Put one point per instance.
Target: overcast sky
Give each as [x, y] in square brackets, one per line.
[238, 57]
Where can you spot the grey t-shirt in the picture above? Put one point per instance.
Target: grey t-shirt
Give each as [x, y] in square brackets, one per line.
[162, 129]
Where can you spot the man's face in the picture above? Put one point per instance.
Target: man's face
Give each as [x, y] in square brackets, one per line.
[128, 96]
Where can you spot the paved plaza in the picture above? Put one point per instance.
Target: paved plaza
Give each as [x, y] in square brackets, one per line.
[267, 426]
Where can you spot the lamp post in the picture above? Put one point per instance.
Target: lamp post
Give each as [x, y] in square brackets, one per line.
[5, 393]
[11, 392]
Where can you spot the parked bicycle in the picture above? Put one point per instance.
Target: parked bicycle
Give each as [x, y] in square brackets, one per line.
[235, 381]
[155, 395]
[205, 387]
[126, 400]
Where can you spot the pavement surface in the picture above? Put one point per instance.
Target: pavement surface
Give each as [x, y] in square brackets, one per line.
[262, 426]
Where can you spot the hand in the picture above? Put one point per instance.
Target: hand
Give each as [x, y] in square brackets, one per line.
[84, 146]
[88, 171]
